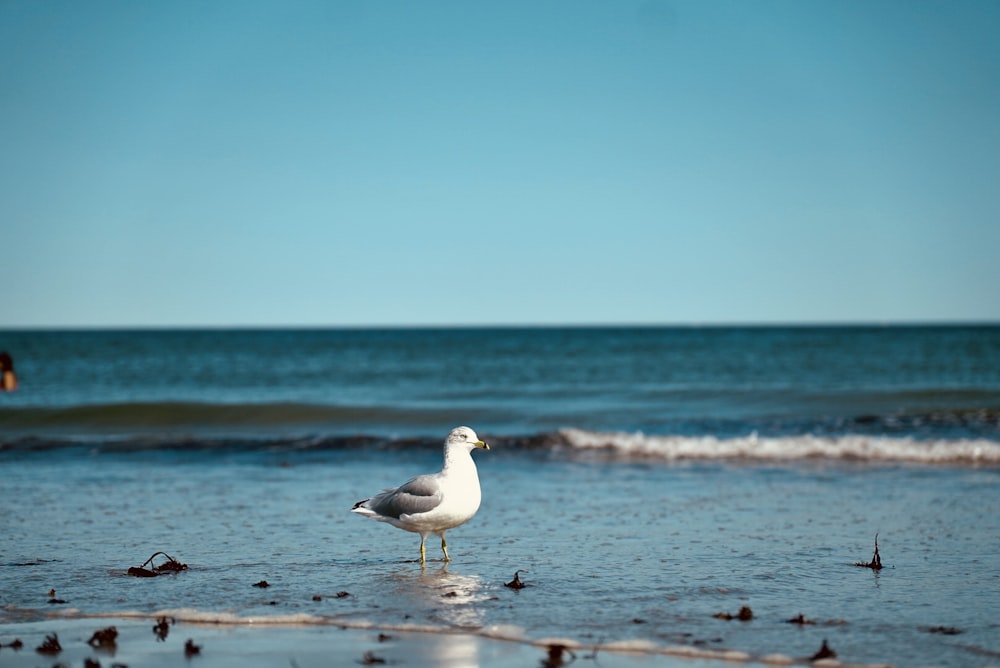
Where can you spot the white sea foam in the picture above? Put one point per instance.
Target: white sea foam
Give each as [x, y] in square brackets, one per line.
[569, 643]
[977, 452]
[195, 616]
[635, 645]
[503, 632]
[507, 633]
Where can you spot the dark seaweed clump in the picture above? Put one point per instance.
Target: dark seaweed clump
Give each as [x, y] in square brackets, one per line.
[555, 656]
[876, 563]
[744, 615]
[371, 659]
[516, 583]
[51, 645]
[190, 649]
[171, 565]
[105, 639]
[944, 630]
[162, 628]
[824, 652]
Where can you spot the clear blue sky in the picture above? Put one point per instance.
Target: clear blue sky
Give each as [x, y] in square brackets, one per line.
[346, 163]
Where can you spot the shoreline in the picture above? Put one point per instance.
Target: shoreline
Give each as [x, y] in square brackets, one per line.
[295, 641]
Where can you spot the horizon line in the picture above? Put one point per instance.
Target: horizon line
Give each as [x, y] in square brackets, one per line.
[757, 324]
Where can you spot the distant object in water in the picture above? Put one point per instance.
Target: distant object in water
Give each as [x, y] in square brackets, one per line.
[435, 502]
[8, 379]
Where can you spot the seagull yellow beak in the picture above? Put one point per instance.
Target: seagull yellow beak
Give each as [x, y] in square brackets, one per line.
[482, 444]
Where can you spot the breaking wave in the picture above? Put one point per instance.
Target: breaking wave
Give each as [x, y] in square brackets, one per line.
[852, 447]
[583, 444]
[958, 437]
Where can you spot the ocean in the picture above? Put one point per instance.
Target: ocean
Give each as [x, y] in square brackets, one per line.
[646, 482]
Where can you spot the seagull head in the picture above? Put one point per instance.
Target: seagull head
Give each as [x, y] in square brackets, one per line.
[465, 437]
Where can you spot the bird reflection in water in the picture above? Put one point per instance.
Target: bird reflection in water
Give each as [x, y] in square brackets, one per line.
[449, 605]
[439, 597]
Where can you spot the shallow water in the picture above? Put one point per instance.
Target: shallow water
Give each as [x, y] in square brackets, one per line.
[642, 480]
[640, 550]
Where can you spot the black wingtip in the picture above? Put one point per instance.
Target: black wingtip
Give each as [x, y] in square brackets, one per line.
[360, 503]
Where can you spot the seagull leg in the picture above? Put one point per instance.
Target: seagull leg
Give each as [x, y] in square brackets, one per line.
[423, 551]
[444, 547]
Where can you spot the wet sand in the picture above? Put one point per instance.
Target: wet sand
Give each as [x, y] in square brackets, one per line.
[247, 644]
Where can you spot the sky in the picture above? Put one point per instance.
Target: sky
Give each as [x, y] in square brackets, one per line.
[401, 163]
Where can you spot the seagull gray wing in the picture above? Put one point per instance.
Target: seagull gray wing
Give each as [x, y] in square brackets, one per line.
[418, 495]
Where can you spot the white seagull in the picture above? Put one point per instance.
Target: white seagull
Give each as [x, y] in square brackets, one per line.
[435, 502]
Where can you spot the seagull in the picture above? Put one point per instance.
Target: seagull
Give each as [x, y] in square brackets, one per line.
[436, 502]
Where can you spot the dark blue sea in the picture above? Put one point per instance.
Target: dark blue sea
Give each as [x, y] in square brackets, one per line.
[643, 480]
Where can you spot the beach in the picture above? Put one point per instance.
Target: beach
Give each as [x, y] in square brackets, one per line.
[649, 555]
[493, 335]
[731, 533]
[246, 644]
